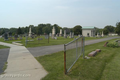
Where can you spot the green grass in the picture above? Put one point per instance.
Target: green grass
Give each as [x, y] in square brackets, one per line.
[5, 67]
[104, 66]
[2, 47]
[44, 42]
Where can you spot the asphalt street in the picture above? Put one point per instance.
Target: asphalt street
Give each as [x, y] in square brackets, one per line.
[40, 51]
[3, 58]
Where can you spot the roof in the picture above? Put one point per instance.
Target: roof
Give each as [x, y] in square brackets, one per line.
[88, 27]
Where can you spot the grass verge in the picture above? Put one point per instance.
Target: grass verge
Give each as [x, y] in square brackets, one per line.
[2, 47]
[100, 67]
[44, 42]
[4, 67]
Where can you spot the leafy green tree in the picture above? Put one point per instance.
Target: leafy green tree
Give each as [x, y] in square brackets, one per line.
[13, 30]
[39, 29]
[97, 30]
[46, 30]
[117, 29]
[77, 30]
[105, 31]
[57, 29]
[19, 31]
[67, 30]
[110, 28]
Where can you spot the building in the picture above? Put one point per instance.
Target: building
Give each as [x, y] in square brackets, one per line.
[88, 31]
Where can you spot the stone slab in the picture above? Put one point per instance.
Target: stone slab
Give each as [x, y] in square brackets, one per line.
[92, 54]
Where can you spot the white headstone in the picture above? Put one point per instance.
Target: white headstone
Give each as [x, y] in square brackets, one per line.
[60, 32]
[53, 32]
[30, 32]
[70, 35]
[65, 36]
[50, 34]
[56, 38]
[97, 34]
[102, 34]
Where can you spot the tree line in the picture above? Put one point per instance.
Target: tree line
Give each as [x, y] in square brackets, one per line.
[41, 29]
[47, 28]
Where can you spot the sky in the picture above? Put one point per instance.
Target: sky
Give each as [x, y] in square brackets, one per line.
[65, 13]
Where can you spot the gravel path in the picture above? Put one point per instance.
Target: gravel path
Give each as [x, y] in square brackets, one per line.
[3, 58]
[40, 51]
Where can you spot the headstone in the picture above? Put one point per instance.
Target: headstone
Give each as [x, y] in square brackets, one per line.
[56, 38]
[5, 36]
[65, 36]
[32, 36]
[20, 38]
[16, 36]
[93, 53]
[60, 32]
[53, 32]
[70, 35]
[79, 35]
[97, 34]
[50, 34]
[46, 36]
[98, 50]
[102, 34]
[30, 33]
[39, 38]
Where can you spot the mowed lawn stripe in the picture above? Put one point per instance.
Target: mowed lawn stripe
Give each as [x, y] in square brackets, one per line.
[99, 67]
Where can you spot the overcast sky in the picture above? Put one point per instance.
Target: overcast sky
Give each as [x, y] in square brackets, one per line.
[65, 13]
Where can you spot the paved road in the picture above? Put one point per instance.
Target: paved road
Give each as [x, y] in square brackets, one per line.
[40, 51]
[3, 58]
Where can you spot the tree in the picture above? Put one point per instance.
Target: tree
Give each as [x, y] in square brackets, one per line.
[57, 29]
[19, 31]
[46, 30]
[110, 28]
[97, 30]
[105, 31]
[117, 29]
[67, 30]
[13, 30]
[77, 30]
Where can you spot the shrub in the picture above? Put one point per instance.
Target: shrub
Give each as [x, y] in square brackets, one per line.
[113, 44]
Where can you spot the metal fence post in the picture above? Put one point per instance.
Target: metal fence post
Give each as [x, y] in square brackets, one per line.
[76, 50]
[83, 40]
[65, 71]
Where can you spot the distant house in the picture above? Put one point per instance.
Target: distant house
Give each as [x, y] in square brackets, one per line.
[88, 31]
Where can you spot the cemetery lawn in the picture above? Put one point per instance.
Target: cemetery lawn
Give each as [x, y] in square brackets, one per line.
[44, 42]
[104, 66]
[2, 47]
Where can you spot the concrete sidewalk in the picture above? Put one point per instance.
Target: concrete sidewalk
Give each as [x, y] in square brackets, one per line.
[22, 65]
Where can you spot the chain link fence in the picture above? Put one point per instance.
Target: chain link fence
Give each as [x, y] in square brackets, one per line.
[72, 51]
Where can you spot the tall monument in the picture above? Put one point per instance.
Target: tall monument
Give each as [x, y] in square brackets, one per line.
[60, 32]
[30, 33]
[102, 34]
[70, 35]
[53, 32]
[65, 36]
